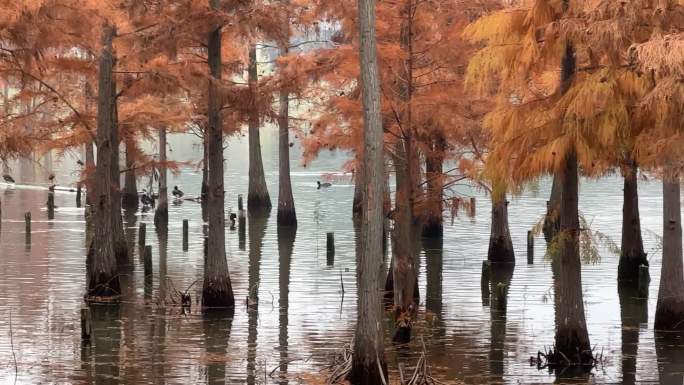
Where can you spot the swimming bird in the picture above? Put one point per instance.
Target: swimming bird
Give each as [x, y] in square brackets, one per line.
[323, 185]
[177, 192]
[145, 198]
[8, 178]
[232, 217]
[79, 162]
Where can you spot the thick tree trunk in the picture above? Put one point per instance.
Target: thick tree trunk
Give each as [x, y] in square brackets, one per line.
[120, 248]
[257, 193]
[130, 194]
[161, 214]
[368, 363]
[572, 338]
[500, 243]
[101, 268]
[632, 253]
[670, 308]
[433, 224]
[286, 207]
[217, 290]
[403, 264]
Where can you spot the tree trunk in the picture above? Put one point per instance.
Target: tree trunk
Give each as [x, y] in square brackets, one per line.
[257, 194]
[217, 290]
[403, 264]
[130, 195]
[161, 215]
[670, 308]
[120, 248]
[357, 203]
[572, 338]
[433, 223]
[632, 253]
[368, 363]
[101, 267]
[500, 243]
[551, 220]
[286, 207]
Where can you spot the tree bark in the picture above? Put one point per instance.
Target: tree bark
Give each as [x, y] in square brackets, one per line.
[130, 195]
[217, 290]
[670, 307]
[433, 224]
[403, 264]
[286, 207]
[257, 193]
[368, 363]
[357, 203]
[101, 268]
[161, 214]
[572, 338]
[632, 253]
[120, 247]
[552, 218]
[500, 243]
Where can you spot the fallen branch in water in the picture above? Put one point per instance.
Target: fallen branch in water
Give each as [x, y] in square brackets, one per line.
[342, 365]
[288, 362]
[421, 373]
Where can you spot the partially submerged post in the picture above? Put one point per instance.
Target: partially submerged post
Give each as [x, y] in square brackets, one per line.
[27, 219]
[86, 324]
[78, 195]
[330, 243]
[141, 234]
[51, 205]
[530, 247]
[472, 206]
[185, 234]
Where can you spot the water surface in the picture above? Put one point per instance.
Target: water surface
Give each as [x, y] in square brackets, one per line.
[303, 316]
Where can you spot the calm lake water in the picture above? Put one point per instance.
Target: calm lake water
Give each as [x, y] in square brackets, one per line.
[303, 316]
